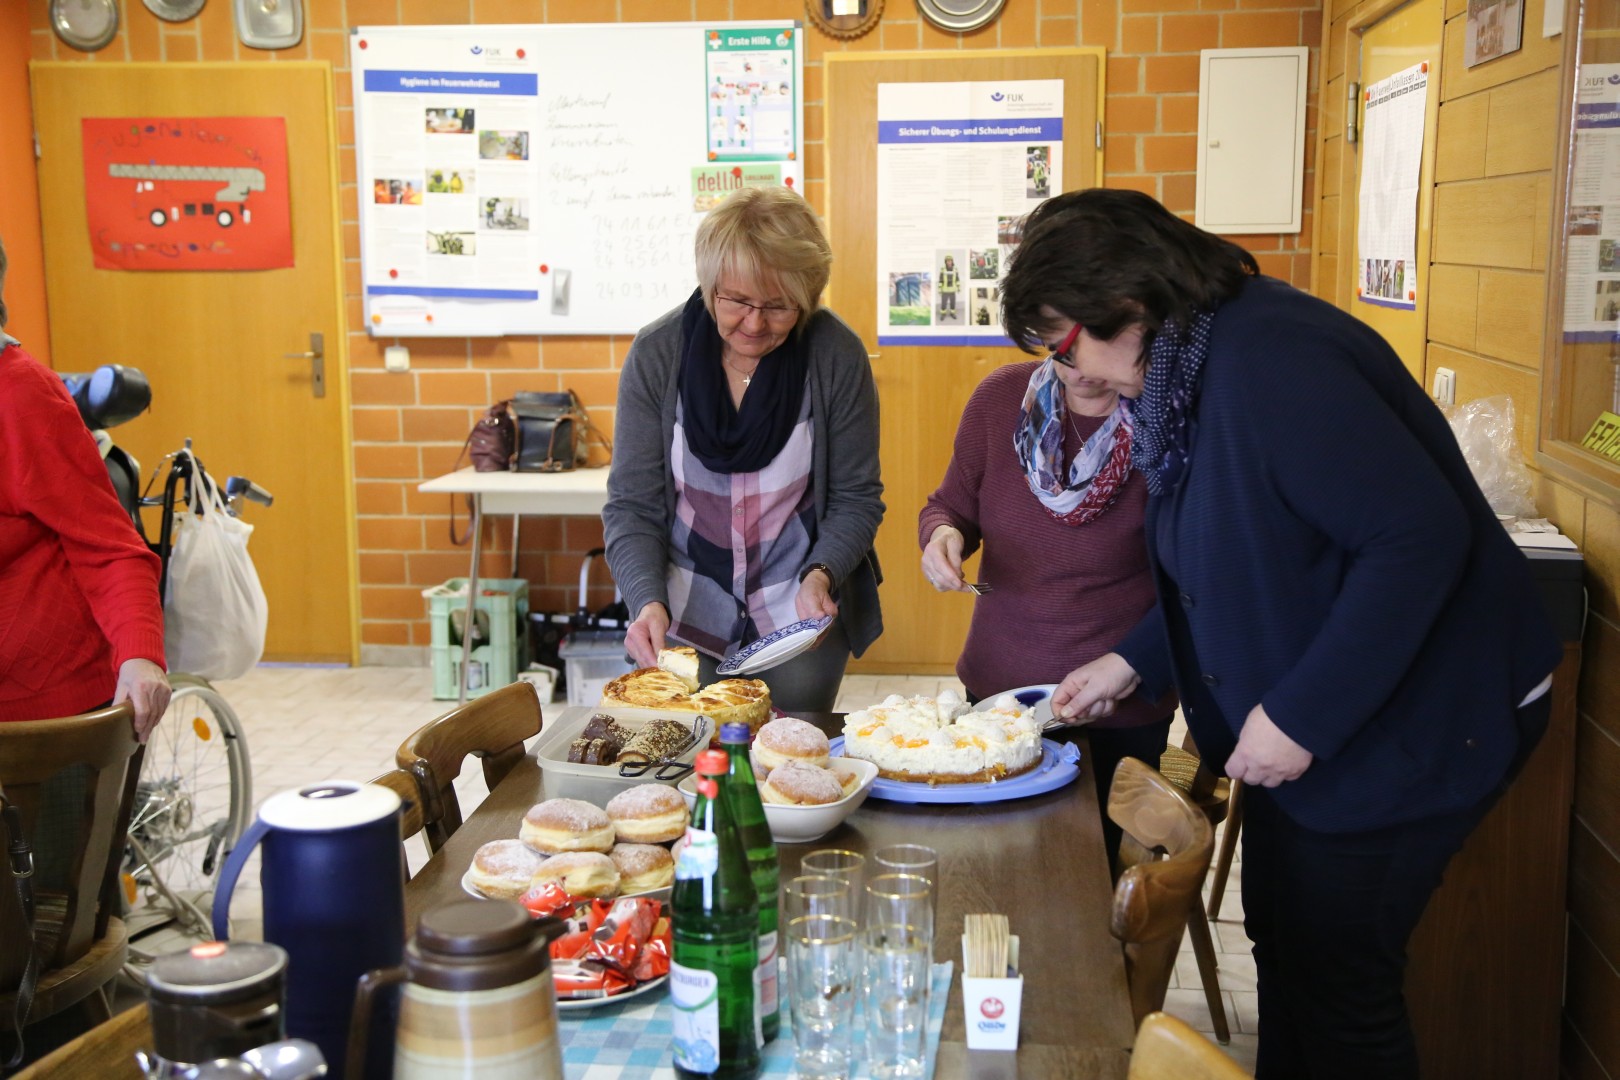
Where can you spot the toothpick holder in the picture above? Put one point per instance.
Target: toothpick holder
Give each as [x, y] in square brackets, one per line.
[991, 1007]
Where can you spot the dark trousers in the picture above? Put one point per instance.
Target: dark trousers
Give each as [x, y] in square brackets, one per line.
[1330, 915]
[1110, 746]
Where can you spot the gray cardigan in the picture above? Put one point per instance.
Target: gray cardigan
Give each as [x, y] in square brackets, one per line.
[849, 494]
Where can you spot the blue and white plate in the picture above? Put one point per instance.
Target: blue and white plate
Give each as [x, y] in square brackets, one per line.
[1037, 697]
[1059, 765]
[775, 648]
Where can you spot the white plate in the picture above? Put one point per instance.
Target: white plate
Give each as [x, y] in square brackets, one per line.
[775, 648]
[570, 1004]
[472, 890]
[1038, 697]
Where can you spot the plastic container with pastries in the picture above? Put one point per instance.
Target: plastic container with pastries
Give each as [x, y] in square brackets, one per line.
[599, 783]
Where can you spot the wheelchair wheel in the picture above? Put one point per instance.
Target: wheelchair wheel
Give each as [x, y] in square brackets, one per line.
[192, 802]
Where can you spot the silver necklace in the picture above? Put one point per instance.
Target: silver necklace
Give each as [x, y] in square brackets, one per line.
[747, 376]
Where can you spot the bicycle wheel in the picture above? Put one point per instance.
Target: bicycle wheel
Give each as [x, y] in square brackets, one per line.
[192, 802]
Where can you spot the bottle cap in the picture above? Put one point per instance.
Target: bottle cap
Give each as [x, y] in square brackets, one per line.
[737, 732]
[713, 763]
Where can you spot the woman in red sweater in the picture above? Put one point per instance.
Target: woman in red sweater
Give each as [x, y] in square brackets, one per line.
[80, 622]
[1041, 478]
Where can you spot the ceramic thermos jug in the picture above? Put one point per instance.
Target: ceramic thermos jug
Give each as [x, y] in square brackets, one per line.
[477, 1000]
[333, 876]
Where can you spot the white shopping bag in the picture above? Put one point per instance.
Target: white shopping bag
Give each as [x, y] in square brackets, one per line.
[214, 614]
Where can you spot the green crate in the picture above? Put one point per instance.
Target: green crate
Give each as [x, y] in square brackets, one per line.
[504, 602]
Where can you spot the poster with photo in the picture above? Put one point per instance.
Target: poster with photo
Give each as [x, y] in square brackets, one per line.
[752, 82]
[959, 165]
[1391, 164]
[1592, 251]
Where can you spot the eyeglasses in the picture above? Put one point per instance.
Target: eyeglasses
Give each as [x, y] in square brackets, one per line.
[773, 313]
[1060, 352]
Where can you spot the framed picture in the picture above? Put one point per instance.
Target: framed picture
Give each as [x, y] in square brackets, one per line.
[844, 19]
[1495, 28]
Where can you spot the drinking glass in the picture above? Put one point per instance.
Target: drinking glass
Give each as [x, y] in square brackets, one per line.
[910, 859]
[899, 961]
[813, 894]
[836, 862]
[823, 957]
[901, 900]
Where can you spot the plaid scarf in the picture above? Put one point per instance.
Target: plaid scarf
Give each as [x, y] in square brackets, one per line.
[1163, 414]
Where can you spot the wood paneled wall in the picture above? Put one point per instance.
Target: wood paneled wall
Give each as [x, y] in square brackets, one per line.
[1497, 142]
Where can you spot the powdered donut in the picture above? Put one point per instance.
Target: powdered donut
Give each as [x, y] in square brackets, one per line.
[643, 867]
[794, 784]
[648, 814]
[786, 739]
[566, 825]
[501, 869]
[586, 874]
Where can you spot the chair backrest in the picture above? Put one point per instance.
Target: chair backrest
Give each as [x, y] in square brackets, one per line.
[81, 772]
[1154, 895]
[1167, 1049]
[409, 785]
[491, 727]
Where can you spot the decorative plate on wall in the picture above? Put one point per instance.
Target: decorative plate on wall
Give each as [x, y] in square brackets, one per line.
[960, 16]
[174, 10]
[844, 19]
[87, 25]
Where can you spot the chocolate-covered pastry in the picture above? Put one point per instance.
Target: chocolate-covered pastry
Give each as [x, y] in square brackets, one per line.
[658, 741]
[601, 752]
[603, 726]
[576, 751]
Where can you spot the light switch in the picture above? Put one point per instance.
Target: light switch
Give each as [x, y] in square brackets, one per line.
[397, 358]
[1445, 386]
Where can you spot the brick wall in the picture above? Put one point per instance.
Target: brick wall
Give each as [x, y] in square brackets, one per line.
[410, 426]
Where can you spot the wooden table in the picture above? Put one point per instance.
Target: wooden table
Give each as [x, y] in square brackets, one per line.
[1038, 860]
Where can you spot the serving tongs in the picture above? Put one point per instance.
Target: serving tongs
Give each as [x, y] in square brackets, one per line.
[669, 769]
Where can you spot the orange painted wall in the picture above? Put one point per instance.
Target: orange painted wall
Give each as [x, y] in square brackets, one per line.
[411, 426]
[19, 190]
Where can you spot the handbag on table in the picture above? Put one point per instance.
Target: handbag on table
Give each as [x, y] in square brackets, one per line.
[551, 431]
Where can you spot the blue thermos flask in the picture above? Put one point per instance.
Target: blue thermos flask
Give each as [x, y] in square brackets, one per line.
[334, 897]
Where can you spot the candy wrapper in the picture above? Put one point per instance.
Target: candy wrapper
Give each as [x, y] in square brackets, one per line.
[609, 947]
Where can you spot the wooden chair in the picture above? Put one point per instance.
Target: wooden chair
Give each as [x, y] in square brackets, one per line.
[1154, 896]
[410, 784]
[1223, 857]
[80, 944]
[1167, 1049]
[492, 728]
[106, 1051]
[1210, 793]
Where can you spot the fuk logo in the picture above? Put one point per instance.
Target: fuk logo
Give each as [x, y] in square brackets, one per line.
[992, 1008]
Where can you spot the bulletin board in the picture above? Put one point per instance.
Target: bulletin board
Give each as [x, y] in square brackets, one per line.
[531, 179]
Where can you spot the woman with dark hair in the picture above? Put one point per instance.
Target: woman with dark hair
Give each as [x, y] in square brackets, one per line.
[1351, 631]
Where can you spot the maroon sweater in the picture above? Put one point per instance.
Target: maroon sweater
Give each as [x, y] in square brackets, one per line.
[78, 588]
[1063, 594]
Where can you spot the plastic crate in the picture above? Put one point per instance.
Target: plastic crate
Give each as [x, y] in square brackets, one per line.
[593, 658]
[504, 605]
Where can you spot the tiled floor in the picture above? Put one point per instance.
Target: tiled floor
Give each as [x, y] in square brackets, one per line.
[306, 724]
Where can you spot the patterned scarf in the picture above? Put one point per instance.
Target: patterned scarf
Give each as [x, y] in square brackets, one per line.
[1097, 472]
[1163, 413]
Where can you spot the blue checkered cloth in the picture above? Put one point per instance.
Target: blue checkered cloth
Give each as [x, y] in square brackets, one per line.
[631, 1041]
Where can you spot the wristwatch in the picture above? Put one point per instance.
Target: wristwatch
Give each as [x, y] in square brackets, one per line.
[832, 578]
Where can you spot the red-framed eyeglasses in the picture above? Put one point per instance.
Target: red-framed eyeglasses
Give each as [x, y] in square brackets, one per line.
[1060, 352]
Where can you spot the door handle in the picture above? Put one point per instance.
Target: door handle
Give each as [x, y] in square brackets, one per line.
[316, 355]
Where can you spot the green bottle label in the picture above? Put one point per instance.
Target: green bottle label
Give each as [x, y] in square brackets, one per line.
[767, 973]
[700, 857]
[695, 994]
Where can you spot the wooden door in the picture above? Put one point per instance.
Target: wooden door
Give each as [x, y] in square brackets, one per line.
[214, 344]
[922, 390]
[1404, 37]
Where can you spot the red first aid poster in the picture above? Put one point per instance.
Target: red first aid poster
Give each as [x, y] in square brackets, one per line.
[192, 193]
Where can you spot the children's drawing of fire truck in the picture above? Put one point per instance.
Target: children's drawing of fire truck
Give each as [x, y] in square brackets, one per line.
[226, 205]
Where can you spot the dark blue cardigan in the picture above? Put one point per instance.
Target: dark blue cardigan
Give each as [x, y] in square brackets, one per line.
[1328, 554]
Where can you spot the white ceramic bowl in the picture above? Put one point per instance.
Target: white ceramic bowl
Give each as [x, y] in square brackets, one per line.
[802, 824]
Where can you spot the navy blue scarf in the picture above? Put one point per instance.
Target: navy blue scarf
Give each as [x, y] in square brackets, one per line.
[722, 436]
[1163, 414]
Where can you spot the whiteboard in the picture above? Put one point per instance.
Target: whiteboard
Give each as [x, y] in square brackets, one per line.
[549, 179]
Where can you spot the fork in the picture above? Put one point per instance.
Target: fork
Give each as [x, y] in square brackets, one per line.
[980, 589]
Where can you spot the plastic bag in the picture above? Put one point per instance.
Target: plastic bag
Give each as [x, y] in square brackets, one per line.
[215, 613]
[1484, 430]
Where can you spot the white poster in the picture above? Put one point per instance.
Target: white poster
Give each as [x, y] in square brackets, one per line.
[959, 165]
[1592, 255]
[1391, 161]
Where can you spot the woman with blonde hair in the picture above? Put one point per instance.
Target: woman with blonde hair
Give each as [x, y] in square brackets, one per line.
[744, 494]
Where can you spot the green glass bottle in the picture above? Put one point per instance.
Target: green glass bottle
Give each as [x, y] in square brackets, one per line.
[714, 914]
[743, 791]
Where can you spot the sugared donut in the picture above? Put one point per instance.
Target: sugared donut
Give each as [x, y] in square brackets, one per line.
[648, 814]
[794, 784]
[566, 825]
[643, 867]
[586, 874]
[501, 869]
[786, 739]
